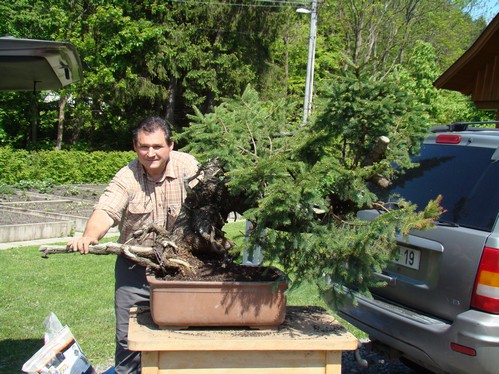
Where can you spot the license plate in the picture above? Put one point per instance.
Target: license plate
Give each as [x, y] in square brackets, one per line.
[409, 257]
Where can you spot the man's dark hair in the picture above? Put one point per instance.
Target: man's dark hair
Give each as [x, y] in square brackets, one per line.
[151, 124]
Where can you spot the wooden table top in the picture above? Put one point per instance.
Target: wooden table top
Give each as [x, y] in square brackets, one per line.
[305, 328]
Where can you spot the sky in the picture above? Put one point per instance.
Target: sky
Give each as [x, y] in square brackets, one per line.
[487, 8]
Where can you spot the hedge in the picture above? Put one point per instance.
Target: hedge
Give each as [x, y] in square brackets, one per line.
[60, 167]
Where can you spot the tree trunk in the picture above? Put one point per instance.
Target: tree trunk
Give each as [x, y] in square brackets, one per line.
[34, 119]
[172, 93]
[60, 124]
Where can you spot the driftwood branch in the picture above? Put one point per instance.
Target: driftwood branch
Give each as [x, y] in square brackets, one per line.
[136, 253]
[141, 255]
[376, 155]
[378, 152]
[97, 249]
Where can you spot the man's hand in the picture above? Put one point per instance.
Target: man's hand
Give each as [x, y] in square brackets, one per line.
[82, 244]
[97, 226]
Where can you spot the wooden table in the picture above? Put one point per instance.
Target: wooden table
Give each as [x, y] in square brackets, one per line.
[309, 341]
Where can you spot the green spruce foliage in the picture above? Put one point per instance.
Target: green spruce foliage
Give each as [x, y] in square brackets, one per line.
[302, 185]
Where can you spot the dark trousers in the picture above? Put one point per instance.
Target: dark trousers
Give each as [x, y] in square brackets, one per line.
[131, 288]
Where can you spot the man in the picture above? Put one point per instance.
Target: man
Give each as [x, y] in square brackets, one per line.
[149, 189]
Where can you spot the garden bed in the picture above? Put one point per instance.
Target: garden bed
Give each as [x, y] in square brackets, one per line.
[21, 206]
[10, 217]
[27, 214]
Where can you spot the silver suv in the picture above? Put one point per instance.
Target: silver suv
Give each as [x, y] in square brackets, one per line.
[440, 306]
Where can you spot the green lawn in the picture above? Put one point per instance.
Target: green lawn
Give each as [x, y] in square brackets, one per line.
[79, 290]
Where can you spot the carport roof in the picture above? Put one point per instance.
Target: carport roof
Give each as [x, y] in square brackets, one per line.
[30, 64]
[476, 72]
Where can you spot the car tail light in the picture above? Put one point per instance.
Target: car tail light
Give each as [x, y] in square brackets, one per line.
[486, 291]
[448, 139]
[463, 349]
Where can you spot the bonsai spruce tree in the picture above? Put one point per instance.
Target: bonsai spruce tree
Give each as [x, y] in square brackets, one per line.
[301, 185]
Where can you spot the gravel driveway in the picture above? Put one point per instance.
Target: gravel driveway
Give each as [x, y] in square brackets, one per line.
[377, 364]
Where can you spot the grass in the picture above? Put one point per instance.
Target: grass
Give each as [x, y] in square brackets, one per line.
[80, 291]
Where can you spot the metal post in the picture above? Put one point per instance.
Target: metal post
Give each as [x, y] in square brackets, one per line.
[307, 102]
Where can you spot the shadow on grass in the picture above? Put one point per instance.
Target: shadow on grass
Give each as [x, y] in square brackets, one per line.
[14, 353]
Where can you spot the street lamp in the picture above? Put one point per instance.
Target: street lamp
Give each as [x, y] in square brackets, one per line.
[307, 101]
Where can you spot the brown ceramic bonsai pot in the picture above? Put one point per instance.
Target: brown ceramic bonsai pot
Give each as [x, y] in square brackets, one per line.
[182, 304]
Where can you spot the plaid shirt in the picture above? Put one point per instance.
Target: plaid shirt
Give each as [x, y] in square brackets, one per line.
[132, 199]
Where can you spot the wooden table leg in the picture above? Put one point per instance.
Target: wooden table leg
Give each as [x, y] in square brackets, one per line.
[150, 362]
[333, 362]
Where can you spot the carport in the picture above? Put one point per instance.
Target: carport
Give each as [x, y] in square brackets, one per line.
[34, 65]
[476, 72]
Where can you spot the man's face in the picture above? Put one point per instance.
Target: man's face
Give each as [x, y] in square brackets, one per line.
[153, 151]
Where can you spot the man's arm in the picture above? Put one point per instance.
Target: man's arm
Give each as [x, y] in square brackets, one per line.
[97, 226]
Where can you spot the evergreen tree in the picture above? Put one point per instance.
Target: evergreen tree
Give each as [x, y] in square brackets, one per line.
[303, 184]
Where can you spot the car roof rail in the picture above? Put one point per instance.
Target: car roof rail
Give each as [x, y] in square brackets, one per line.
[463, 126]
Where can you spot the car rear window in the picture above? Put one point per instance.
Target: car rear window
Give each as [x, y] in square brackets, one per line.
[466, 177]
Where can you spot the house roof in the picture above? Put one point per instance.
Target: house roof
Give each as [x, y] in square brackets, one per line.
[476, 72]
[29, 64]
